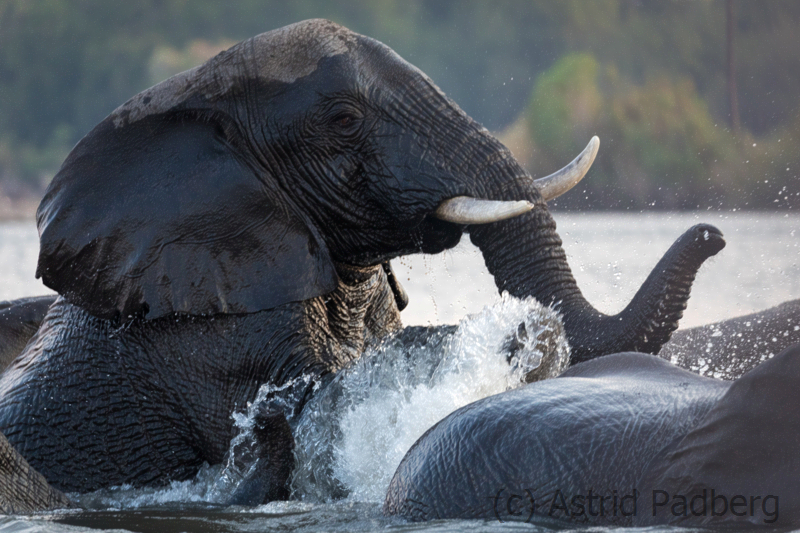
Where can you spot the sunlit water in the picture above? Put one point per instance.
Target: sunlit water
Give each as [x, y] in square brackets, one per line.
[354, 432]
[610, 255]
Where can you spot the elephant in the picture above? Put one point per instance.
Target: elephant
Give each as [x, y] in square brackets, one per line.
[730, 348]
[23, 489]
[625, 439]
[19, 320]
[231, 227]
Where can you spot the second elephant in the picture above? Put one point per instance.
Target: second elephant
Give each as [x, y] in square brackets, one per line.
[729, 348]
[627, 439]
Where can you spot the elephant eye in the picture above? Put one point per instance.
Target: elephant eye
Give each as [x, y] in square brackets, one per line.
[346, 122]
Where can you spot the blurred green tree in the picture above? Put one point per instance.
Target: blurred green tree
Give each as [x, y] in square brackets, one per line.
[65, 64]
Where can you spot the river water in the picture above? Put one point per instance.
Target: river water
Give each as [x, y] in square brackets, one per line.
[383, 407]
[610, 255]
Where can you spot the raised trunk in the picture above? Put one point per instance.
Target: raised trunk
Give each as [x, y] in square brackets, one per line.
[526, 257]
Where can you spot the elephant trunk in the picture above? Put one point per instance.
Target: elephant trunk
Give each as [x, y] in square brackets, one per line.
[526, 258]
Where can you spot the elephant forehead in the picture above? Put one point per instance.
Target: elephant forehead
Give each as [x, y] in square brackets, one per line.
[283, 55]
[291, 52]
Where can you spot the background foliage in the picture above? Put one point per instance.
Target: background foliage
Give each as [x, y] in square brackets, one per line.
[648, 77]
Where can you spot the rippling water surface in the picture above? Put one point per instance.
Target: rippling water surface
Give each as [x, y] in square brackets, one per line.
[354, 435]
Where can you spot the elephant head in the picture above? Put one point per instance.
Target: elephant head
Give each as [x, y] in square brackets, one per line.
[235, 186]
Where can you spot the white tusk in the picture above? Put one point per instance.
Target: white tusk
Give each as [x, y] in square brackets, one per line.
[466, 210]
[558, 183]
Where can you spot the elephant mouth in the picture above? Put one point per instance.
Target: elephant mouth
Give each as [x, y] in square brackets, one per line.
[465, 210]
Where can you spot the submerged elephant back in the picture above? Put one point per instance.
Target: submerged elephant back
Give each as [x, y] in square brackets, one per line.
[730, 348]
[521, 454]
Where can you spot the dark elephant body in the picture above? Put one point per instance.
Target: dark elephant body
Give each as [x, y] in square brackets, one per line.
[22, 488]
[607, 439]
[96, 405]
[226, 228]
[730, 348]
[19, 320]
[134, 414]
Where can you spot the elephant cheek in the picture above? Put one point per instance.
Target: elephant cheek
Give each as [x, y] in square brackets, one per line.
[439, 235]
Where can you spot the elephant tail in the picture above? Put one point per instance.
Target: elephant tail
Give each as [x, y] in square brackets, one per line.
[23, 489]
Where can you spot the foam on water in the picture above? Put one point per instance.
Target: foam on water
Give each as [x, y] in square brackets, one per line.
[197, 490]
[351, 436]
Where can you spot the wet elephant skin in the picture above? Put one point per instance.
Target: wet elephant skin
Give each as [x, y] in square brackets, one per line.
[226, 228]
[623, 426]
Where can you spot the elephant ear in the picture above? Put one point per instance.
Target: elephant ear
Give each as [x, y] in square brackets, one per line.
[159, 210]
[162, 208]
[162, 216]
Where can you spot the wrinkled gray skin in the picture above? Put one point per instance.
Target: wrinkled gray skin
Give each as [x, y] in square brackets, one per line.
[23, 489]
[226, 228]
[19, 320]
[726, 349]
[729, 348]
[618, 424]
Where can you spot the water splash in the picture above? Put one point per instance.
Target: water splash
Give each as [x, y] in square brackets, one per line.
[213, 485]
[352, 435]
[197, 490]
[243, 455]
